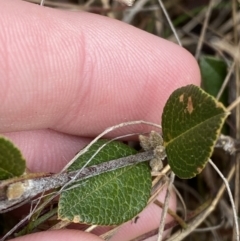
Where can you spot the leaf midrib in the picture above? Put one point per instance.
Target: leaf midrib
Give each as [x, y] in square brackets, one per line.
[174, 139]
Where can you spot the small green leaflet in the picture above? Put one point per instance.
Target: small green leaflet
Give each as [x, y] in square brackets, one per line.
[109, 198]
[191, 123]
[12, 163]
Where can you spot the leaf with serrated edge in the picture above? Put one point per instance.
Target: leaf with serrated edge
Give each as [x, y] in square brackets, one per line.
[12, 163]
[191, 123]
[109, 198]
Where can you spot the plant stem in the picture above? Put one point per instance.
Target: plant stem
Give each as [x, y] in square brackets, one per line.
[38, 185]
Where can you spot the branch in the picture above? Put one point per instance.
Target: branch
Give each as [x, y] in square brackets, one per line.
[30, 187]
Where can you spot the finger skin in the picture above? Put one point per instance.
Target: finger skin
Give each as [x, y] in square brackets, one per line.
[47, 150]
[79, 73]
[60, 235]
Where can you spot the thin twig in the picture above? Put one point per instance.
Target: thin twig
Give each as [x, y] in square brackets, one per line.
[172, 213]
[170, 22]
[226, 80]
[193, 224]
[201, 230]
[204, 28]
[230, 197]
[236, 189]
[165, 208]
[234, 104]
[39, 185]
[108, 130]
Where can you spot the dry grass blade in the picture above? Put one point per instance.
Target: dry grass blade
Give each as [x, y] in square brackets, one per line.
[192, 225]
[204, 28]
[165, 208]
[235, 217]
[237, 75]
[225, 81]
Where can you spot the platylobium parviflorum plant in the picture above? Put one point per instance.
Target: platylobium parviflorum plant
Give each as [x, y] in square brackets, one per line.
[109, 182]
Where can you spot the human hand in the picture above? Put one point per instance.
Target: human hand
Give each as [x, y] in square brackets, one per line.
[65, 77]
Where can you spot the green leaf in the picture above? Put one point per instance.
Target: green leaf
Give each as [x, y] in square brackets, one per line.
[213, 73]
[12, 163]
[191, 123]
[110, 198]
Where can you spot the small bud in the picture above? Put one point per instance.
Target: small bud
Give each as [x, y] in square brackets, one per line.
[127, 2]
[145, 143]
[156, 164]
[150, 143]
[159, 152]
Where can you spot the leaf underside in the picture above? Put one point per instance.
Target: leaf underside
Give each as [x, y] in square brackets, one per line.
[12, 163]
[110, 198]
[191, 123]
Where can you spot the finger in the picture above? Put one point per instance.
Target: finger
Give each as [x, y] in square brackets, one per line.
[80, 73]
[148, 220]
[47, 150]
[60, 235]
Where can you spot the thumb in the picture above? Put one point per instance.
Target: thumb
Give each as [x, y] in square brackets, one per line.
[59, 235]
[79, 73]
